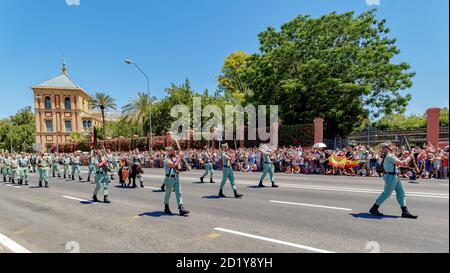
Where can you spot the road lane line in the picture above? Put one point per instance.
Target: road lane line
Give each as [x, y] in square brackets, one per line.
[11, 245]
[309, 205]
[152, 188]
[12, 186]
[78, 199]
[273, 241]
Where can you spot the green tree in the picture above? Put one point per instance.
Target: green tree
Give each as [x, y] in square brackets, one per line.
[230, 80]
[138, 110]
[103, 102]
[339, 67]
[18, 131]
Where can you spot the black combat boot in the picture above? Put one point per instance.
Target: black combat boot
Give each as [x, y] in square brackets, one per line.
[106, 200]
[212, 181]
[94, 198]
[12, 181]
[4, 178]
[19, 182]
[89, 179]
[65, 177]
[80, 178]
[374, 210]
[46, 185]
[142, 184]
[221, 194]
[183, 212]
[40, 184]
[26, 183]
[261, 185]
[407, 214]
[237, 195]
[163, 188]
[167, 210]
[201, 180]
[59, 176]
[274, 185]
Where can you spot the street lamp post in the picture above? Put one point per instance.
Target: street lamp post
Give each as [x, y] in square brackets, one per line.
[150, 99]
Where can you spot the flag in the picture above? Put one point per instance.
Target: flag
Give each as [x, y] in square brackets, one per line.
[337, 161]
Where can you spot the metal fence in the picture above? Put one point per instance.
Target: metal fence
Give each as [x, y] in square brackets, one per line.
[374, 137]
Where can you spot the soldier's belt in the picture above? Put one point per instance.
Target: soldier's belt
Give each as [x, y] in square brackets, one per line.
[391, 173]
[171, 176]
[226, 166]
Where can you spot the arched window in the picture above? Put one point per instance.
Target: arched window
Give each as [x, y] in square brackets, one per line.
[67, 103]
[48, 103]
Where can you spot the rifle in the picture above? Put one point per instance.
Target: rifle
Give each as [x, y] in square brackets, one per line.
[416, 167]
[188, 168]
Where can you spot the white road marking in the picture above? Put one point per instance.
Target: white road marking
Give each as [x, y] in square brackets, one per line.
[273, 241]
[11, 245]
[78, 199]
[309, 205]
[12, 186]
[152, 188]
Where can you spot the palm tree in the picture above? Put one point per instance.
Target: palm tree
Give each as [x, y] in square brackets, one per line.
[138, 109]
[103, 102]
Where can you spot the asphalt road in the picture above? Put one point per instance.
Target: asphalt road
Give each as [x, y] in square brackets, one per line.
[306, 214]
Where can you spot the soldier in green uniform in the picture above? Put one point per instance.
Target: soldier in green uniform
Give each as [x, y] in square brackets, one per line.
[56, 160]
[115, 162]
[208, 166]
[227, 173]
[24, 165]
[2, 158]
[102, 178]
[7, 167]
[66, 164]
[172, 165]
[92, 165]
[43, 163]
[76, 163]
[15, 170]
[267, 167]
[392, 182]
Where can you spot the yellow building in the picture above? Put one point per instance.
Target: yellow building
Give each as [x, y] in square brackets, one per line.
[62, 107]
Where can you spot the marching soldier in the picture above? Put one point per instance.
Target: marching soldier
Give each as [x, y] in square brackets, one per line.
[43, 163]
[136, 169]
[7, 167]
[92, 165]
[33, 162]
[76, 163]
[56, 159]
[392, 182]
[24, 165]
[172, 165]
[102, 178]
[115, 163]
[267, 167]
[2, 158]
[227, 173]
[66, 165]
[14, 169]
[208, 167]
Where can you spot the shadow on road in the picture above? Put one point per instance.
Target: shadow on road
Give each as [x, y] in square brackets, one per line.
[370, 216]
[156, 214]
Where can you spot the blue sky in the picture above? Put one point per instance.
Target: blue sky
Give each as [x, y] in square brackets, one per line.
[177, 39]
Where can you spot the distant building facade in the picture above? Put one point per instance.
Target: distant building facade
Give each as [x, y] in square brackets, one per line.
[61, 108]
